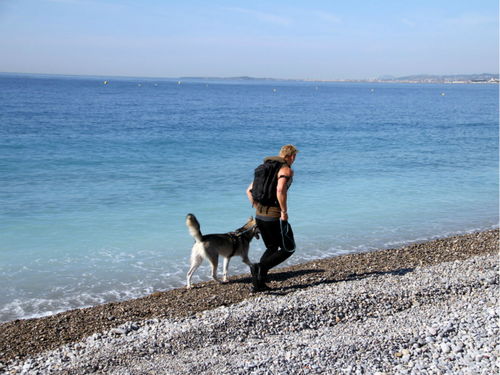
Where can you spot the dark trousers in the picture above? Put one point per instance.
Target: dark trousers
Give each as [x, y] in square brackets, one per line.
[275, 252]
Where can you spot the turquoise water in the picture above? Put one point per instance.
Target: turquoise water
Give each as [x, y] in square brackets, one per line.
[96, 180]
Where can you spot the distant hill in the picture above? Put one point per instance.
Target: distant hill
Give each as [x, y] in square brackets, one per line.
[242, 78]
[427, 78]
[483, 77]
[416, 78]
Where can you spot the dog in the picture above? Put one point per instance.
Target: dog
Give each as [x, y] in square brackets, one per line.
[227, 245]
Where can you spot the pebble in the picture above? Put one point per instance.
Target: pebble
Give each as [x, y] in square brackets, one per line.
[445, 348]
[440, 319]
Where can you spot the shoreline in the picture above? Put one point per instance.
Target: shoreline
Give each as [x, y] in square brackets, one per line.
[20, 339]
[294, 261]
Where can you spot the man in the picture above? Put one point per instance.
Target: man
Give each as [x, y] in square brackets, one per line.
[272, 220]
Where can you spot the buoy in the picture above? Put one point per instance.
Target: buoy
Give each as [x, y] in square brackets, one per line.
[105, 82]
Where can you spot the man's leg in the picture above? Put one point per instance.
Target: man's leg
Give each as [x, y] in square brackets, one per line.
[258, 273]
[271, 260]
[274, 254]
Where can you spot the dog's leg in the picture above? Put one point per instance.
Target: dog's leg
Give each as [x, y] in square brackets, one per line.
[247, 261]
[214, 262]
[244, 258]
[224, 269]
[196, 260]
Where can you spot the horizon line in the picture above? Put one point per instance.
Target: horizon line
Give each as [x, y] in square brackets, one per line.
[387, 77]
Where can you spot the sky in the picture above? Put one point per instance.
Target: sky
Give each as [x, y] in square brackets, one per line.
[309, 39]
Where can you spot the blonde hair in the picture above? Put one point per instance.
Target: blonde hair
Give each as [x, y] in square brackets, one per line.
[288, 150]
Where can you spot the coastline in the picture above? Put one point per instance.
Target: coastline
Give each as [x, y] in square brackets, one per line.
[485, 78]
[20, 339]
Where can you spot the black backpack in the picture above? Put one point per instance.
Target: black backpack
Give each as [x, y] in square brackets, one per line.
[265, 182]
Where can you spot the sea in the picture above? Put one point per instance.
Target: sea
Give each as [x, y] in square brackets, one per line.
[97, 175]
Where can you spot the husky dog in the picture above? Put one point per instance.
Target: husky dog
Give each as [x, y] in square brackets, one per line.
[227, 245]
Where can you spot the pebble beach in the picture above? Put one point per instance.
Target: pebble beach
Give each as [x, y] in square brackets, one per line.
[426, 308]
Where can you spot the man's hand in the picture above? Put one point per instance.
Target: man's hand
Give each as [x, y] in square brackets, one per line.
[284, 216]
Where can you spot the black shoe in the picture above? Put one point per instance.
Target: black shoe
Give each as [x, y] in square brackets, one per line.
[260, 288]
[255, 270]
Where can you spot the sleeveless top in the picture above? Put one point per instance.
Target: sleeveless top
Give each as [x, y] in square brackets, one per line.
[270, 213]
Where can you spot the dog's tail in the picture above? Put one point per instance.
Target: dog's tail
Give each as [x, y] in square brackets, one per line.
[194, 227]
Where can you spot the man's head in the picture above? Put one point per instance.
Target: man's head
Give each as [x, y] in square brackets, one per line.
[288, 152]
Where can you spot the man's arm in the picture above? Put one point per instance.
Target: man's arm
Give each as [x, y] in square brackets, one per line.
[249, 194]
[282, 191]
